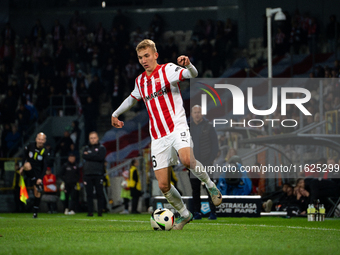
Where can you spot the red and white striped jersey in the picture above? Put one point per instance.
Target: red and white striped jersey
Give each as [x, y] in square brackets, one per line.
[161, 94]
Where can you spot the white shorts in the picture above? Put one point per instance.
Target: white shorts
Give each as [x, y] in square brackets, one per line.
[164, 150]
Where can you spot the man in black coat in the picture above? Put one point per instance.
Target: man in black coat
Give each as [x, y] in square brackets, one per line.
[94, 155]
[205, 150]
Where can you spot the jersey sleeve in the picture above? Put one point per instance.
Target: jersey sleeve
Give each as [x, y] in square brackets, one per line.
[135, 93]
[174, 73]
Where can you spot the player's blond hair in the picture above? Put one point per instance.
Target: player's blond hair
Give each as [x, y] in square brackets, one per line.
[146, 43]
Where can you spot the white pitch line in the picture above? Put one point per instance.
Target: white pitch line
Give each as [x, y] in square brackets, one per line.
[236, 224]
[208, 223]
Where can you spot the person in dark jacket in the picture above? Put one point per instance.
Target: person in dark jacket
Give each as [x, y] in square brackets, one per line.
[94, 156]
[205, 150]
[34, 166]
[70, 175]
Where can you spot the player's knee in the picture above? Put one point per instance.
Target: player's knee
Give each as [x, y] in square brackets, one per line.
[27, 166]
[164, 187]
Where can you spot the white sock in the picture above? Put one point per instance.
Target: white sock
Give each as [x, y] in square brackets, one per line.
[175, 199]
[202, 175]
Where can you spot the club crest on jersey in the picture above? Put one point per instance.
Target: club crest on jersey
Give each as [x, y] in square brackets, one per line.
[30, 154]
[160, 92]
[39, 157]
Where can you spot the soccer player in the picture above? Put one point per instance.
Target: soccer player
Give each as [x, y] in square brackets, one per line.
[34, 166]
[159, 89]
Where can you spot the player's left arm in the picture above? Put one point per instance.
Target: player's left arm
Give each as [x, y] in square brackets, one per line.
[190, 71]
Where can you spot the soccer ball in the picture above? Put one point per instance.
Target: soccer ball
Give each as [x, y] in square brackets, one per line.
[162, 219]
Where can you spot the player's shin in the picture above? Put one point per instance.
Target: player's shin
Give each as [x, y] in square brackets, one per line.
[175, 199]
[202, 175]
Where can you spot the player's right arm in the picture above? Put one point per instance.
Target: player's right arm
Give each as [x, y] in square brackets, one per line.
[126, 105]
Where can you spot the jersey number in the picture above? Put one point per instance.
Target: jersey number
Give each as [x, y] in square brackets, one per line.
[154, 162]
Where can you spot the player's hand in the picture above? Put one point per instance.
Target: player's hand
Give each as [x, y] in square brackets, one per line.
[39, 181]
[183, 60]
[115, 122]
[21, 170]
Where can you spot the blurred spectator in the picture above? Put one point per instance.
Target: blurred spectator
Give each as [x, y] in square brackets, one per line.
[280, 43]
[125, 191]
[90, 117]
[61, 55]
[36, 56]
[7, 54]
[80, 85]
[131, 71]
[37, 32]
[135, 185]
[42, 93]
[64, 146]
[61, 81]
[27, 88]
[117, 89]
[12, 138]
[312, 36]
[136, 37]
[70, 69]
[74, 20]
[6, 130]
[8, 33]
[70, 175]
[295, 38]
[75, 134]
[58, 33]
[288, 199]
[96, 62]
[3, 78]
[209, 29]
[95, 89]
[9, 106]
[99, 34]
[26, 56]
[50, 191]
[302, 197]
[71, 42]
[46, 68]
[23, 117]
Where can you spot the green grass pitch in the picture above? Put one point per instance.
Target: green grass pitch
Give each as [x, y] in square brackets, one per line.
[132, 234]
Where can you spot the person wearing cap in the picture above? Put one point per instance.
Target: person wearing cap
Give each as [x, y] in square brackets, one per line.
[70, 175]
